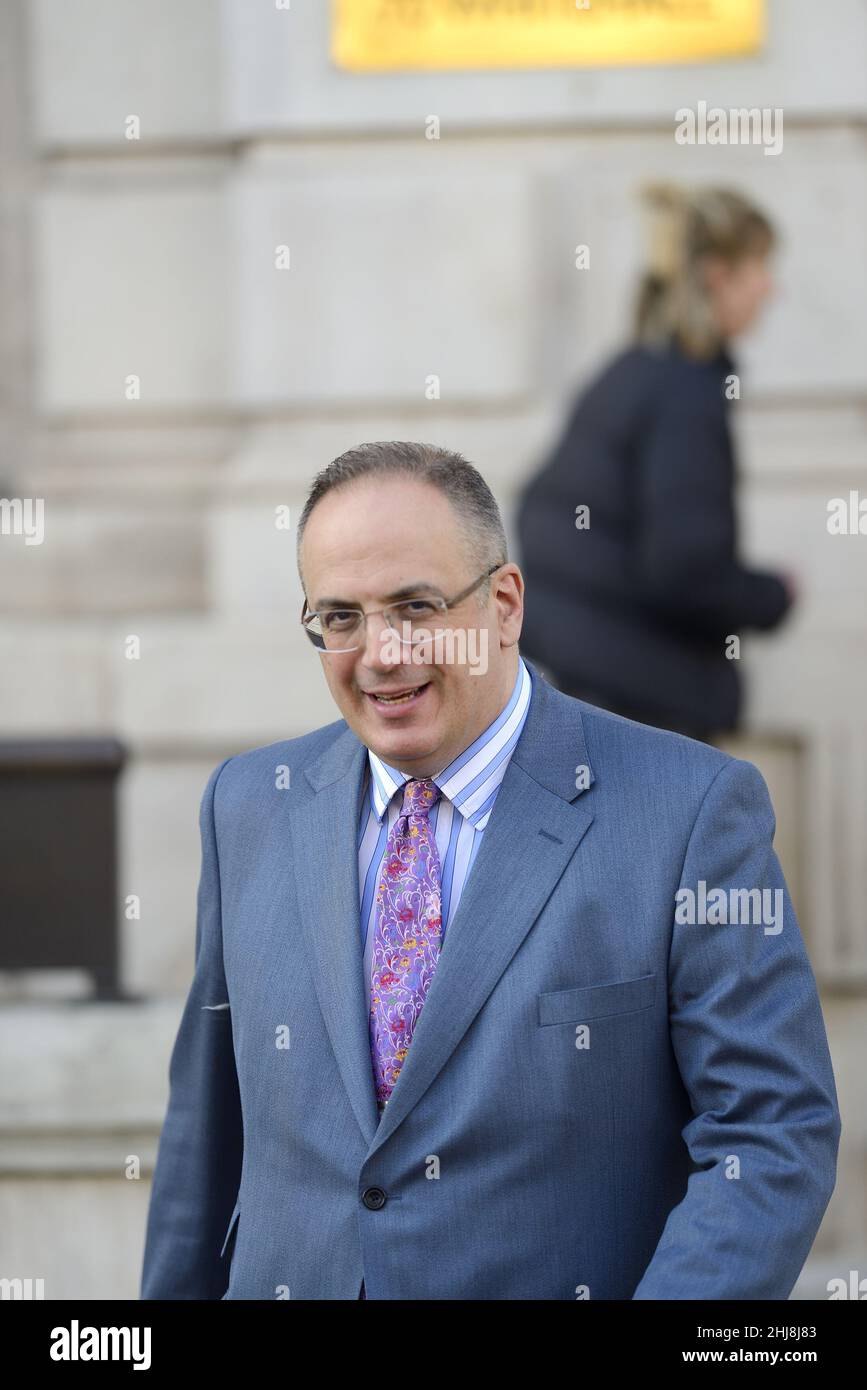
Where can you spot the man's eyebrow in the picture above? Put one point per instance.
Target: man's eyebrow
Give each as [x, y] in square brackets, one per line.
[417, 586]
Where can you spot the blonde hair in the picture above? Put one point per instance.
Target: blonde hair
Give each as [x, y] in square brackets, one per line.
[685, 226]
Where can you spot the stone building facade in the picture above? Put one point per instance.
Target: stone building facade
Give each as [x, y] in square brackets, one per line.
[165, 387]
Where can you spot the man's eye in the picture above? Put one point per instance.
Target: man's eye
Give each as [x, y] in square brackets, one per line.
[339, 619]
[416, 608]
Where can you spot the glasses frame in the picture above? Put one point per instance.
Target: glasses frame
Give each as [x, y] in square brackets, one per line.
[442, 604]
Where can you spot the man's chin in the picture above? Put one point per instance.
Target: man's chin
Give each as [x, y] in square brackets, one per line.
[408, 745]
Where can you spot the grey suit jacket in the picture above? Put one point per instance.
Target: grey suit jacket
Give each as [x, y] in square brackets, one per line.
[601, 1099]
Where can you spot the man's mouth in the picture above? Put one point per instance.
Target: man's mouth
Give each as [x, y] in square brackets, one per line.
[397, 697]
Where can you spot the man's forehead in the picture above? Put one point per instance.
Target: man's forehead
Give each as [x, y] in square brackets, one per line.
[348, 562]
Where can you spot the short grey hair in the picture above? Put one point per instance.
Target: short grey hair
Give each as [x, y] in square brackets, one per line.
[474, 505]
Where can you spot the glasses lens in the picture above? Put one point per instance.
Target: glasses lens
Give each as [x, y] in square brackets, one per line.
[412, 621]
[339, 629]
[335, 630]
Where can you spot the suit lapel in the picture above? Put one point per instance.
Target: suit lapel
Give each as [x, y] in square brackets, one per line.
[324, 830]
[533, 831]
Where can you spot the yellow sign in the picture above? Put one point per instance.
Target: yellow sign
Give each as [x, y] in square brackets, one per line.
[419, 35]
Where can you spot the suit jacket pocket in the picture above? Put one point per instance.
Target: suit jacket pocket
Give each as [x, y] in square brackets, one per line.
[597, 1001]
[233, 1222]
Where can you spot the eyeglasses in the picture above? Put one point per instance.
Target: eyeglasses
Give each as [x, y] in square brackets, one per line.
[337, 629]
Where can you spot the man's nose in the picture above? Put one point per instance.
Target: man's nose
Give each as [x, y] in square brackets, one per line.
[381, 648]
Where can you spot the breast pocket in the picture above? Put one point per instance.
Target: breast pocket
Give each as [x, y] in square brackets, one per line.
[597, 1001]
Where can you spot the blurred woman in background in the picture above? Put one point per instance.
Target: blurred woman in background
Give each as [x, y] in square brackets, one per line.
[630, 603]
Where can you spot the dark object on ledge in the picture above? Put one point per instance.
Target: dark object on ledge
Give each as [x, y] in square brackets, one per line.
[58, 857]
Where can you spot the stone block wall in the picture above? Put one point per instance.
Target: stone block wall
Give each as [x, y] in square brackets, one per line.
[409, 259]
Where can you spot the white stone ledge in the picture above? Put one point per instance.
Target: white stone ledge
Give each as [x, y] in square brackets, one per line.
[84, 1085]
[395, 248]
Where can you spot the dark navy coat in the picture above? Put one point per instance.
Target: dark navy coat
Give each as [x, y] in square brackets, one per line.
[634, 611]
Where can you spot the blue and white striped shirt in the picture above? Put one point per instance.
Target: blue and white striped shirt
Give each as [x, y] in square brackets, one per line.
[469, 787]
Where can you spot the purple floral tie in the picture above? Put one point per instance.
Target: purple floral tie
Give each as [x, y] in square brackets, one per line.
[407, 934]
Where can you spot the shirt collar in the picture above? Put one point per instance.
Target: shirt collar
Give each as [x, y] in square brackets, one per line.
[472, 779]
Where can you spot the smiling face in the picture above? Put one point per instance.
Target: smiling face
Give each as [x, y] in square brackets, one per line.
[364, 543]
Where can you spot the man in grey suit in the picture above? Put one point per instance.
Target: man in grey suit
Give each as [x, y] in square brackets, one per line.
[497, 995]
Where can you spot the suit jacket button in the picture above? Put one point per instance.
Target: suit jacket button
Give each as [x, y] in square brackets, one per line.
[374, 1198]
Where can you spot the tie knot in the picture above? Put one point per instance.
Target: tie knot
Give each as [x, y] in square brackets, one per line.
[419, 795]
